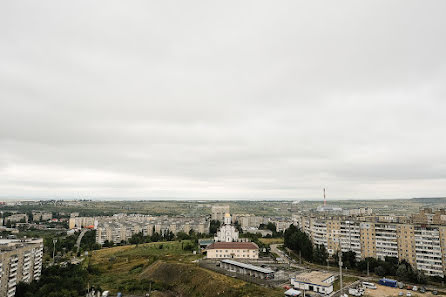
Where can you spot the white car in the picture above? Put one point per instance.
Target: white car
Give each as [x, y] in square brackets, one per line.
[355, 292]
[415, 288]
[369, 285]
[409, 294]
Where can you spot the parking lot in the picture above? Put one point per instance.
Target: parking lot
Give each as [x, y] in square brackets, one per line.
[383, 291]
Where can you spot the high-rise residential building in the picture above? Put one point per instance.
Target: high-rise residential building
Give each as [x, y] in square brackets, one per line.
[121, 227]
[218, 212]
[350, 237]
[429, 216]
[20, 261]
[421, 245]
[428, 252]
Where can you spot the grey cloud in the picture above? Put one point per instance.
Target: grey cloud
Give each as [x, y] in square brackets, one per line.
[222, 100]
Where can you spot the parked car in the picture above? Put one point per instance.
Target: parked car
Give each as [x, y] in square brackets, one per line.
[369, 285]
[434, 292]
[415, 288]
[388, 282]
[409, 287]
[400, 285]
[409, 294]
[422, 290]
[400, 294]
[355, 292]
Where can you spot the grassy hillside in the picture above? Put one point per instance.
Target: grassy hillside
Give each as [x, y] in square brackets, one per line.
[130, 269]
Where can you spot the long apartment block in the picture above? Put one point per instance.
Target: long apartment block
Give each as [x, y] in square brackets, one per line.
[422, 245]
[121, 227]
[20, 261]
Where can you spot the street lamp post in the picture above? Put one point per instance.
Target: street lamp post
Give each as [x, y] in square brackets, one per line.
[340, 271]
[54, 248]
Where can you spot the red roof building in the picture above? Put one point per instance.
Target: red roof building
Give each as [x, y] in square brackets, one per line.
[227, 250]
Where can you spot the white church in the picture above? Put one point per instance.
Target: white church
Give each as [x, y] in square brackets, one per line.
[227, 232]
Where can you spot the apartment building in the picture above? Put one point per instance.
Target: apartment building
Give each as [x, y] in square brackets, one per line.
[429, 216]
[333, 235]
[362, 211]
[406, 243]
[20, 261]
[122, 227]
[318, 232]
[428, 252]
[422, 245]
[219, 211]
[248, 221]
[81, 222]
[385, 240]
[41, 216]
[17, 218]
[368, 240]
[350, 237]
[282, 223]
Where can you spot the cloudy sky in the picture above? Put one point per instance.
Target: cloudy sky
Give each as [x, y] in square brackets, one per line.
[230, 99]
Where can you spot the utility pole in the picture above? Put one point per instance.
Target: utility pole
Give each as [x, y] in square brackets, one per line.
[367, 267]
[150, 289]
[340, 271]
[54, 248]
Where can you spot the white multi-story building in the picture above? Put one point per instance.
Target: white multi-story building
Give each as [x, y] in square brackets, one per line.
[350, 237]
[318, 231]
[428, 250]
[386, 240]
[20, 261]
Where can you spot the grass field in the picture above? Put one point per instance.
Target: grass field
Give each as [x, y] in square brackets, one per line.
[169, 269]
[271, 240]
[346, 280]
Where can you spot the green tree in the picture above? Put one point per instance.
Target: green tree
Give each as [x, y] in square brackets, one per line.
[213, 226]
[298, 241]
[320, 254]
[56, 281]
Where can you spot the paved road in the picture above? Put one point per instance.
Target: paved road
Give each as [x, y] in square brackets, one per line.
[276, 250]
[78, 242]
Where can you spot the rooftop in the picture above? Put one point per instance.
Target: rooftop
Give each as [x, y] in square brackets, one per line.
[314, 277]
[233, 245]
[11, 244]
[248, 266]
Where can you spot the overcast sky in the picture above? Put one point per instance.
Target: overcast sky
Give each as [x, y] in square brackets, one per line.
[229, 99]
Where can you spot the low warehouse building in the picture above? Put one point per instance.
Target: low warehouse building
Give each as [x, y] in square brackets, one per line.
[316, 281]
[247, 269]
